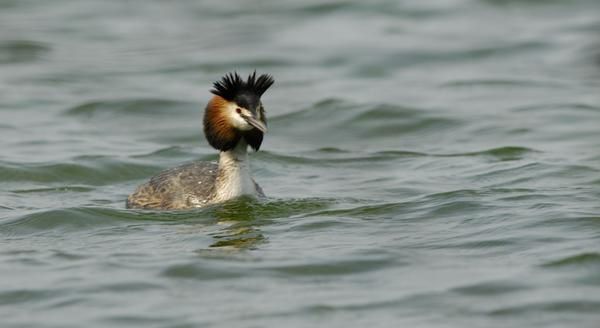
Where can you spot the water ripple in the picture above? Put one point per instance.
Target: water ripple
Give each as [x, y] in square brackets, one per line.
[336, 268]
[21, 51]
[199, 272]
[67, 219]
[574, 306]
[24, 296]
[134, 107]
[99, 172]
[583, 259]
[332, 155]
[485, 289]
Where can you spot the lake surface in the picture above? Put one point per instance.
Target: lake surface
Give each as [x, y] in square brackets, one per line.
[428, 164]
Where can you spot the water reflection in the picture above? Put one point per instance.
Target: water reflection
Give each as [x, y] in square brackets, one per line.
[243, 218]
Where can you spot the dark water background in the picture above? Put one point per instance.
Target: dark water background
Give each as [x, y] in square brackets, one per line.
[429, 164]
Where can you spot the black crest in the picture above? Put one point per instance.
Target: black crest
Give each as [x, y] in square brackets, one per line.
[232, 85]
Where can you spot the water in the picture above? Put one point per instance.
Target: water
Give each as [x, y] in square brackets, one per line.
[431, 163]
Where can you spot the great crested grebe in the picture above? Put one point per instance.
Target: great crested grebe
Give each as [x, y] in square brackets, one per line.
[233, 120]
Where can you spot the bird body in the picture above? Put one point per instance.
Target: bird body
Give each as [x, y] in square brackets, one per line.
[234, 119]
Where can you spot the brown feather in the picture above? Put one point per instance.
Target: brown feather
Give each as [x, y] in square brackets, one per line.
[217, 129]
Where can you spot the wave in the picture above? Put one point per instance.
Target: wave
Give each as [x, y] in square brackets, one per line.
[63, 220]
[394, 61]
[200, 272]
[553, 307]
[490, 288]
[136, 107]
[582, 259]
[83, 218]
[354, 117]
[562, 107]
[100, 171]
[221, 66]
[20, 51]
[493, 83]
[239, 213]
[12, 297]
[333, 267]
[333, 155]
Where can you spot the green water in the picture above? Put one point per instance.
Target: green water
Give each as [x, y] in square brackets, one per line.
[428, 164]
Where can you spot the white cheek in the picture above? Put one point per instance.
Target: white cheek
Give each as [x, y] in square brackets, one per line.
[236, 120]
[240, 123]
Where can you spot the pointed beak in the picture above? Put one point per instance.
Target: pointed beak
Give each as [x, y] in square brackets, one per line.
[255, 123]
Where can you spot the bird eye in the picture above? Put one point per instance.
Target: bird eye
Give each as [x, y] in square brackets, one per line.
[238, 110]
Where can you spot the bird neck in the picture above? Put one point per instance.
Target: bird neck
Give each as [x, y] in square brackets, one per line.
[233, 178]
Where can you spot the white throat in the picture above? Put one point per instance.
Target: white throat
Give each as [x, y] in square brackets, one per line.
[233, 178]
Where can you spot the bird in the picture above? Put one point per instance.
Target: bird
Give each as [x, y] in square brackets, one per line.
[234, 119]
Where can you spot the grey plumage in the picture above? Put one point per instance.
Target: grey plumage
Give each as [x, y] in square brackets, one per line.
[186, 186]
[179, 187]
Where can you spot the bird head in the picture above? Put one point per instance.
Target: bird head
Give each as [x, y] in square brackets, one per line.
[235, 112]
